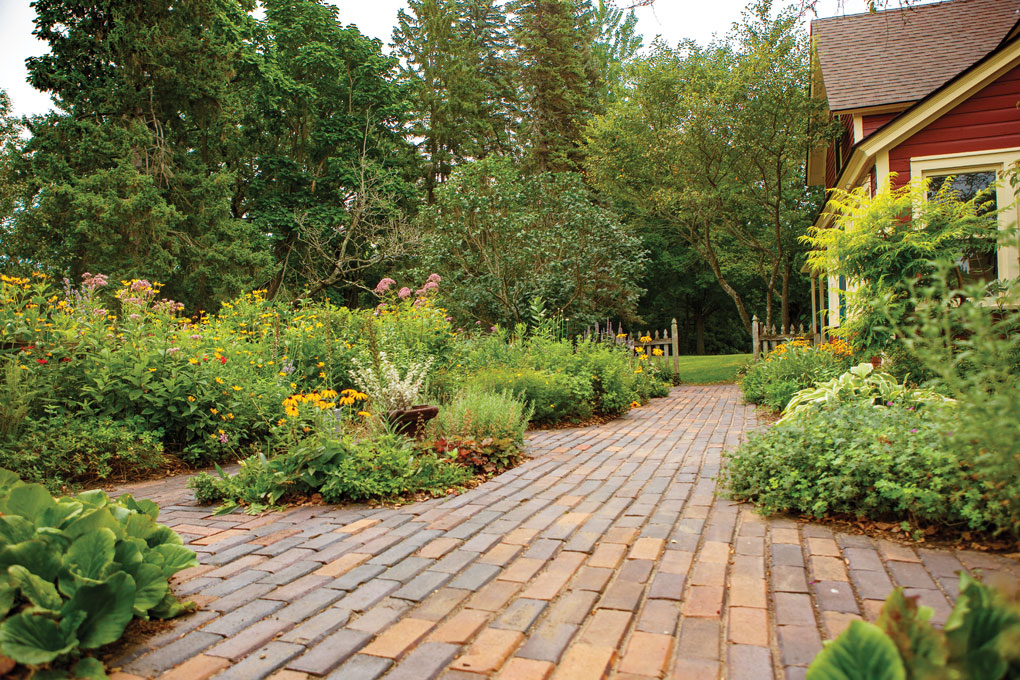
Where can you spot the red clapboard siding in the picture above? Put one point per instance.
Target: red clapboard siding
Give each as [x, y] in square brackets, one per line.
[841, 146]
[988, 120]
[872, 123]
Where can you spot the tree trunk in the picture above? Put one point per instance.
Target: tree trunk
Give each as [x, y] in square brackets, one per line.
[787, 275]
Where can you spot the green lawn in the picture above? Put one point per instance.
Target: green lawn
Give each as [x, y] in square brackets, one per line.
[702, 370]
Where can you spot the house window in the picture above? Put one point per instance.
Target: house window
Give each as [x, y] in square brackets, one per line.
[977, 264]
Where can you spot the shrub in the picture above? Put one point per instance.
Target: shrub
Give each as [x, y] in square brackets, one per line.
[483, 430]
[884, 463]
[72, 451]
[478, 415]
[386, 387]
[789, 368]
[970, 339]
[552, 396]
[978, 642]
[341, 469]
[78, 570]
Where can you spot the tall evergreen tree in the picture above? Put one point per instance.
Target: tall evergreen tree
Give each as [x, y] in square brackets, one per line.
[454, 56]
[131, 175]
[553, 41]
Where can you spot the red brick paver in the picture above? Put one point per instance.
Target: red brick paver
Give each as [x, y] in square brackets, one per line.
[607, 554]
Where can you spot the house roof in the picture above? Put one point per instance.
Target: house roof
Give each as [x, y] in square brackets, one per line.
[900, 55]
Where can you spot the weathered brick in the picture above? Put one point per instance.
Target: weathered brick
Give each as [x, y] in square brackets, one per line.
[746, 661]
[461, 627]
[197, 668]
[606, 628]
[584, 661]
[520, 615]
[425, 662]
[330, 652]
[262, 662]
[646, 654]
[703, 601]
[398, 638]
[748, 626]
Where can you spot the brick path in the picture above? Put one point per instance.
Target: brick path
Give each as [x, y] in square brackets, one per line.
[606, 554]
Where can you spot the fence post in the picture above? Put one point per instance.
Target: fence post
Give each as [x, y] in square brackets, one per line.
[754, 337]
[675, 346]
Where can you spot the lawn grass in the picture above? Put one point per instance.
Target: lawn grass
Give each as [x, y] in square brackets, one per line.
[704, 370]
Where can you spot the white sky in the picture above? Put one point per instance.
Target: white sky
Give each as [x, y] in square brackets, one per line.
[674, 20]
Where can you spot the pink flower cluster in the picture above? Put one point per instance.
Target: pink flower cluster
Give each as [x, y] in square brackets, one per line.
[431, 286]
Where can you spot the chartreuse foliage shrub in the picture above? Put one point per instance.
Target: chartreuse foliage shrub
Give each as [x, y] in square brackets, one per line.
[74, 571]
[886, 255]
[792, 367]
[980, 641]
[888, 463]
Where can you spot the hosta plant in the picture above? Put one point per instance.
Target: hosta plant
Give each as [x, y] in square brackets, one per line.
[861, 384]
[980, 641]
[74, 571]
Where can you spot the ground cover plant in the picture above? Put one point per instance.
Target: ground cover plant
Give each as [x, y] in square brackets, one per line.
[887, 463]
[791, 367]
[74, 571]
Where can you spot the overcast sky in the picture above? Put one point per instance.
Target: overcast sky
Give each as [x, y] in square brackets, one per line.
[674, 20]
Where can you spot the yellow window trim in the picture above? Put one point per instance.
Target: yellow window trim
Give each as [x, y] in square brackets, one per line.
[997, 160]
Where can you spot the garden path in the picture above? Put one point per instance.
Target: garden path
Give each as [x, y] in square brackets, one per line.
[606, 553]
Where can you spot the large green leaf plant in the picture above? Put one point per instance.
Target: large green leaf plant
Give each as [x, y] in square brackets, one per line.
[75, 571]
[980, 641]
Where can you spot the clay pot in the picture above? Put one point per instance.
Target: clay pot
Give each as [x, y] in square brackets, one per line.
[411, 422]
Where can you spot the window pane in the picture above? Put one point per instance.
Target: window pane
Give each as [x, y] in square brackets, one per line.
[976, 265]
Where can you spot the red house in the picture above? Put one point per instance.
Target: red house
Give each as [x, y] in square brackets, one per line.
[921, 91]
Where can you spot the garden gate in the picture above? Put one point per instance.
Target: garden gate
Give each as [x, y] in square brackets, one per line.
[765, 339]
[668, 341]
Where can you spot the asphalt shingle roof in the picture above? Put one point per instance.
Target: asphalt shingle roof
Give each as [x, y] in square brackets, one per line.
[901, 55]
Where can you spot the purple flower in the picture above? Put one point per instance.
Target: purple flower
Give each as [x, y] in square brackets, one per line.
[140, 284]
[196, 336]
[478, 323]
[420, 292]
[449, 319]
[914, 431]
[384, 285]
[404, 293]
[431, 285]
[223, 438]
[93, 281]
[99, 312]
[134, 317]
[492, 329]
[433, 278]
[173, 350]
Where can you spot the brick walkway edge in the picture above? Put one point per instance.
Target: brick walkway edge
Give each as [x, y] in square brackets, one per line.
[607, 554]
